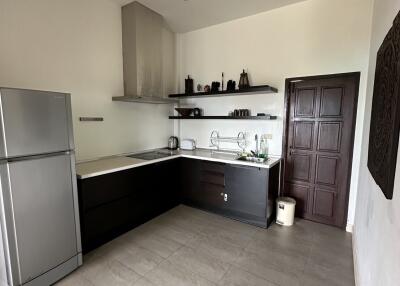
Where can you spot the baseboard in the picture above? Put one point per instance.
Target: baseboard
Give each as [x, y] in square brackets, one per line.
[355, 260]
[349, 228]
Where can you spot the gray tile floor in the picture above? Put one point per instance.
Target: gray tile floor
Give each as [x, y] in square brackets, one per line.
[186, 246]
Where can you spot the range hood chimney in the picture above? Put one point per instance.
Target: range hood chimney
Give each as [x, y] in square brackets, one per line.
[148, 56]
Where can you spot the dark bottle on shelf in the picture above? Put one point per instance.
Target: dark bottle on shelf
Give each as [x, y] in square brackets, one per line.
[244, 80]
[189, 85]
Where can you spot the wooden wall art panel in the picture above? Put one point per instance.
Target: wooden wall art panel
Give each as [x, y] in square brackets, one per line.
[385, 117]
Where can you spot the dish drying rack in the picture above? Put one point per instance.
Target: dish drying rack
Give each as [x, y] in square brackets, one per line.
[216, 139]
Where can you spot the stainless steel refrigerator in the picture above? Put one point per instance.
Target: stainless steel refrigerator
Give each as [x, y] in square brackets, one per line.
[40, 233]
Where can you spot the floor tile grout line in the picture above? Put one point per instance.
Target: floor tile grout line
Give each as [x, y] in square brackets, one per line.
[243, 269]
[188, 246]
[194, 273]
[235, 260]
[252, 273]
[315, 238]
[163, 259]
[166, 259]
[157, 264]
[226, 272]
[258, 276]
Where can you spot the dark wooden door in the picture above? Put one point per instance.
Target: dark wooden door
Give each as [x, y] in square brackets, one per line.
[320, 126]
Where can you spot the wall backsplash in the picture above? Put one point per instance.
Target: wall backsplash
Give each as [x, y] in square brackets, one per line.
[80, 52]
[200, 130]
[291, 41]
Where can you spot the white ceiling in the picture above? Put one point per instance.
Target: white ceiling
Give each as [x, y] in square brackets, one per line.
[188, 15]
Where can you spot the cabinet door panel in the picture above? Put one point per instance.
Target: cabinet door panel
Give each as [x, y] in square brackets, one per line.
[246, 188]
[189, 180]
[106, 188]
[165, 194]
[210, 195]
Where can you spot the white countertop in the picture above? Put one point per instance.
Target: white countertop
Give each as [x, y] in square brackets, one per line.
[119, 163]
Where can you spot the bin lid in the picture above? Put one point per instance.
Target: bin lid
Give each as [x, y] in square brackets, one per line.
[286, 200]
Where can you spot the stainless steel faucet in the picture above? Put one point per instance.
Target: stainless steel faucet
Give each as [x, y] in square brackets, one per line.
[256, 138]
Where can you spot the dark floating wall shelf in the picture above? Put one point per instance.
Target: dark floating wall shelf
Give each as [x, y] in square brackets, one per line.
[252, 90]
[227, 117]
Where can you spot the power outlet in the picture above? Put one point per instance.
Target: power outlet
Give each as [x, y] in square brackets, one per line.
[268, 136]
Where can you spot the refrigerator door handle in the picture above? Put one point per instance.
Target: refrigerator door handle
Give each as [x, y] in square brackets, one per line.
[41, 156]
[8, 227]
[76, 208]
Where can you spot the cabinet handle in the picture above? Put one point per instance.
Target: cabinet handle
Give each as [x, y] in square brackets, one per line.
[222, 194]
[243, 167]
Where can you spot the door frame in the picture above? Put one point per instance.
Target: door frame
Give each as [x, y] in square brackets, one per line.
[286, 114]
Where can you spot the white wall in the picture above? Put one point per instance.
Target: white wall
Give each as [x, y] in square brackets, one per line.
[309, 38]
[377, 223]
[75, 46]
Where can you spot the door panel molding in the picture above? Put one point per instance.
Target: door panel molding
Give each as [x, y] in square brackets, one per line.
[336, 100]
[327, 143]
[304, 164]
[324, 203]
[301, 194]
[324, 173]
[302, 130]
[303, 109]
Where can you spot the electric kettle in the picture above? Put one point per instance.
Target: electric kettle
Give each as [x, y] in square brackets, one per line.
[173, 143]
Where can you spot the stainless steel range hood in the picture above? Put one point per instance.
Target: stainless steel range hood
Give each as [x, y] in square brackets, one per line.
[148, 56]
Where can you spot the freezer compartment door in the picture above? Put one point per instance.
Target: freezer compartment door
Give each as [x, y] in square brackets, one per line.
[40, 192]
[34, 122]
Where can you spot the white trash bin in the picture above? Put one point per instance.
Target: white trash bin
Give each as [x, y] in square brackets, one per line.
[285, 207]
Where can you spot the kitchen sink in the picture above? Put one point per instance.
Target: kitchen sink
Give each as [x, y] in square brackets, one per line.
[153, 155]
[252, 159]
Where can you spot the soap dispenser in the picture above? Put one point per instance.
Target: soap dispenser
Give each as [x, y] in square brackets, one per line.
[263, 147]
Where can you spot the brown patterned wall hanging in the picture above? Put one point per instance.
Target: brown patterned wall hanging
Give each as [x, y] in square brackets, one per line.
[385, 117]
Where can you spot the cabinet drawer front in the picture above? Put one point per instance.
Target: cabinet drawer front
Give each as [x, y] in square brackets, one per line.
[211, 177]
[213, 167]
[106, 218]
[212, 173]
[104, 189]
[105, 222]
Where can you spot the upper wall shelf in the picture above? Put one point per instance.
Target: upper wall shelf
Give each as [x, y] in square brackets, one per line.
[144, 99]
[251, 90]
[268, 117]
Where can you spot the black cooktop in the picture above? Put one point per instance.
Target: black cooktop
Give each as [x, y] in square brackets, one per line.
[153, 155]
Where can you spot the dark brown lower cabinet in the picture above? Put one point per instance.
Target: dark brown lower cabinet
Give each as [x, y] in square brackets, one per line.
[115, 203]
[247, 190]
[240, 192]
[189, 182]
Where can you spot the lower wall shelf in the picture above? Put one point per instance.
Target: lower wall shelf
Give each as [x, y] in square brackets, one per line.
[226, 117]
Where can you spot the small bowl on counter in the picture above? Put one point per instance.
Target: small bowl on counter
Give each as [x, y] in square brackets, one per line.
[184, 111]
